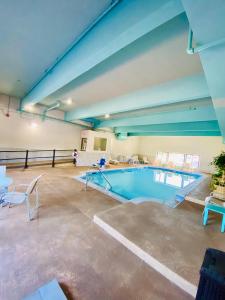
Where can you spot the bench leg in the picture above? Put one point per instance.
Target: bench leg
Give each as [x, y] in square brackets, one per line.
[205, 216]
[223, 223]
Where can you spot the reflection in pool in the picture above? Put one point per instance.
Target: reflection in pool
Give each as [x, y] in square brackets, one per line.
[174, 179]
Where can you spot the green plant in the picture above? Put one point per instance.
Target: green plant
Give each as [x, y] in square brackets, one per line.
[219, 162]
[219, 177]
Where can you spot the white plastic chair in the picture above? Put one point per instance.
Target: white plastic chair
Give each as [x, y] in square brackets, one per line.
[21, 197]
[2, 171]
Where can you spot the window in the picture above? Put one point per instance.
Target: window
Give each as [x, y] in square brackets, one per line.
[179, 160]
[161, 157]
[100, 144]
[176, 159]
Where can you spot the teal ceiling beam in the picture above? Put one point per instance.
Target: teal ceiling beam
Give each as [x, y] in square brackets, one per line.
[75, 42]
[121, 136]
[194, 50]
[192, 114]
[209, 126]
[175, 133]
[209, 29]
[122, 25]
[93, 121]
[183, 89]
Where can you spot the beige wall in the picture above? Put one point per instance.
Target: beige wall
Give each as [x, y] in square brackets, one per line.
[205, 147]
[128, 147]
[17, 132]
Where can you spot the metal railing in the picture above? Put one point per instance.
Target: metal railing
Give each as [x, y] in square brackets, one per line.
[110, 186]
[103, 176]
[26, 158]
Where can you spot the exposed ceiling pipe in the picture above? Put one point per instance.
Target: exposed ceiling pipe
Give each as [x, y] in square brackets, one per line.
[54, 106]
[76, 41]
[192, 50]
[80, 123]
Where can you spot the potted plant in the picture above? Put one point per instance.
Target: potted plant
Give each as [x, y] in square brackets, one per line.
[218, 179]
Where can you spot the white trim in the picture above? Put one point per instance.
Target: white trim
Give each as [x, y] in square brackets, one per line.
[148, 259]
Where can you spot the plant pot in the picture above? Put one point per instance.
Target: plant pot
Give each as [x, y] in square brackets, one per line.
[219, 192]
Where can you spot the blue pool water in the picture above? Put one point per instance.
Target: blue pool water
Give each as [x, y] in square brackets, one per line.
[145, 184]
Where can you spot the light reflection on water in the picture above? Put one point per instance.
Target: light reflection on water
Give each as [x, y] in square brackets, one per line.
[173, 179]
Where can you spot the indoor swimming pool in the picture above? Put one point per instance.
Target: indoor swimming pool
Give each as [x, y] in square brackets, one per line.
[140, 184]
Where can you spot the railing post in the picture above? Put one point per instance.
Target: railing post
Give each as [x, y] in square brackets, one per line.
[53, 158]
[26, 160]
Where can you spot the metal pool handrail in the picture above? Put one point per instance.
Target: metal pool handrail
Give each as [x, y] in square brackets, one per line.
[105, 179]
[87, 178]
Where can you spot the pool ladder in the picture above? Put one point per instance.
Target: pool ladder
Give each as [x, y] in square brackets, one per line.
[87, 180]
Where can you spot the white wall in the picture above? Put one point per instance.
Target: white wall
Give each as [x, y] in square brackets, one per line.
[205, 147]
[127, 147]
[91, 135]
[16, 131]
[115, 147]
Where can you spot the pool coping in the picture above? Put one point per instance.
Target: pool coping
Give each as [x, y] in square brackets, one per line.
[182, 193]
[172, 276]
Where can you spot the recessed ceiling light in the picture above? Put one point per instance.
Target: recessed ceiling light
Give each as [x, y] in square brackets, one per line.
[107, 116]
[69, 101]
[29, 107]
[33, 124]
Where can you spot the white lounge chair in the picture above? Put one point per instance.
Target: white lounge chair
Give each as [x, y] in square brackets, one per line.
[113, 161]
[134, 160]
[145, 160]
[21, 197]
[122, 158]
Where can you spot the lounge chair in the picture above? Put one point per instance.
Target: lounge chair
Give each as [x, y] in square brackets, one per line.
[122, 158]
[113, 161]
[134, 160]
[145, 160]
[15, 197]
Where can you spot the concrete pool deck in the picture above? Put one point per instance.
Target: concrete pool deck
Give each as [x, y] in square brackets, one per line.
[172, 241]
[175, 238]
[64, 243]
